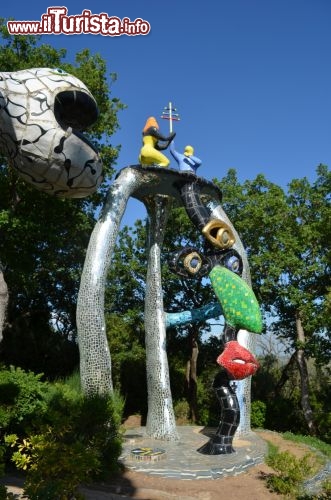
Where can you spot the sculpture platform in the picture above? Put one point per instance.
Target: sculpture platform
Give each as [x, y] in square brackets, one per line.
[181, 459]
[168, 182]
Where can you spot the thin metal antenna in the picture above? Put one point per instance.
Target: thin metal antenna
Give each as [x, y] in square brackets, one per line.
[169, 113]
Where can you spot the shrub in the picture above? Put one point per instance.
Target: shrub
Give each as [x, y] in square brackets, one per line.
[22, 400]
[290, 472]
[80, 443]
[54, 467]
[258, 414]
[60, 437]
[4, 495]
[182, 410]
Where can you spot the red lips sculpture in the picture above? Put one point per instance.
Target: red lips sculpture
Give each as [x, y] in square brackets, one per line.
[237, 361]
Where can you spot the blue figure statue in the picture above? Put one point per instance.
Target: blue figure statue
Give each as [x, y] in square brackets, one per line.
[185, 161]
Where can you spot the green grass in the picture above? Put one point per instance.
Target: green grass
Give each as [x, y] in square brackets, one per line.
[310, 441]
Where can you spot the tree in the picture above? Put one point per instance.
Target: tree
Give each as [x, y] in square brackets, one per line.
[285, 237]
[43, 239]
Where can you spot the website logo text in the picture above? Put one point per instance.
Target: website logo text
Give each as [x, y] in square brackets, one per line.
[56, 21]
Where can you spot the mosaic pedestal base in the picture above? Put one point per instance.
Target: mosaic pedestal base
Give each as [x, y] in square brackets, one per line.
[181, 460]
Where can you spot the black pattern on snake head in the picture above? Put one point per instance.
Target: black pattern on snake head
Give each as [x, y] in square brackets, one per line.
[42, 114]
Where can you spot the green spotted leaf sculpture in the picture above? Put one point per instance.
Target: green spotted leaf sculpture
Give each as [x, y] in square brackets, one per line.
[239, 304]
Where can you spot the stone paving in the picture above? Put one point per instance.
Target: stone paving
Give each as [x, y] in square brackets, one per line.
[181, 460]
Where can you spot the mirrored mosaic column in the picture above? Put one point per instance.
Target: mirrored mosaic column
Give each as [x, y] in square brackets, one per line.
[95, 361]
[161, 422]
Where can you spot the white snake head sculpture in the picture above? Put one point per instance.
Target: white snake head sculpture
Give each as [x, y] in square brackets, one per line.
[42, 114]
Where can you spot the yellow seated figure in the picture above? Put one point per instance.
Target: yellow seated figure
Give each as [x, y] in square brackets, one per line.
[150, 152]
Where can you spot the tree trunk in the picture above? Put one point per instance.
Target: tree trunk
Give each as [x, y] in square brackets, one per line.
[3, 301]
[304, 376]
[285, 374]
[191, 377]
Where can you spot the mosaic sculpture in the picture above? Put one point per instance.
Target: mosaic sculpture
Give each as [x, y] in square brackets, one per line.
[185, 161]
[4, 297]
[224, 265]
[223, 260]
[42, 114]
[153, 143]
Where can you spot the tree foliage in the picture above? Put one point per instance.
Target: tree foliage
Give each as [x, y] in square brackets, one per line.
[42, 238]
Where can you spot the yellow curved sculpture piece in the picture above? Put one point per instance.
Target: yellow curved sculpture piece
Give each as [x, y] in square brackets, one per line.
[150, 153]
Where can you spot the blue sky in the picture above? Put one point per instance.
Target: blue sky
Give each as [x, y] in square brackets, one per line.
[251, 79]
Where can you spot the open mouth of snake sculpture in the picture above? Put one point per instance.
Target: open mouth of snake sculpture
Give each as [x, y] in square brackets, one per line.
[75, 111]
[43, 114]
